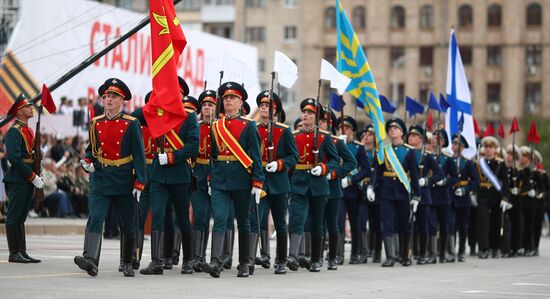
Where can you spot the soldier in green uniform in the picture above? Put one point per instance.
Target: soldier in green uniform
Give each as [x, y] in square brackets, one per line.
[236, 175]
[200, 199]
[309, 185]
[170, 187]
[277, 160]
[20, 179]
[115, 153]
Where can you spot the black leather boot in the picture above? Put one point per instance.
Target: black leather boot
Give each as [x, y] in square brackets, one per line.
[13, 246]
[244, 255]
[293, 264]
[253, 248]
[90, 261]
[341, 249]
[364, 248]
[377, 247]
[216, 265]
[265, 256]
[228, 249]
[304, 260]
[451, 249]
[281, 260]
[156, 266]
[138, 251]
[405, 260]
[128, 247]
[121, 250]
[422, 255]
[389, 248]
[332, 250]
[442, 248]
[316, 248]
[23, 244]
[198, 244]
[176, 248]
[354, 256]
[167, 249]
[432, 248]
[187, 249]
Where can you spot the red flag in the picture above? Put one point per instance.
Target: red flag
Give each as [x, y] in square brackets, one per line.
[490, 131]
[533, 135]
[501, 130]
[515, 127]
[476, 128]
[47, 100]
[429, 122]
[164, 110]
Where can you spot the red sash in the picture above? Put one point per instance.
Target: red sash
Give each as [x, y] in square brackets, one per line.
[231, 143]
[173, 138]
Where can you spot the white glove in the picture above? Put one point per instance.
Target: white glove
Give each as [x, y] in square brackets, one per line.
[344, 138]
[345, 183]
[37, 182]
[370, 194]
[163, 159]
[422, 182]
[414, 204]
[136, 193]
[540, 195]
[272, 166]
[514, 191]
[89, 167]
[329, 176]
[442, 182]
[317, 170]
[504, 205]
[257, 192]
[209, 189]
[532, 193]
[473, 199]
[460, 192]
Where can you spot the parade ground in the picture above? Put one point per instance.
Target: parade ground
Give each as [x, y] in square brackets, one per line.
[58, 277]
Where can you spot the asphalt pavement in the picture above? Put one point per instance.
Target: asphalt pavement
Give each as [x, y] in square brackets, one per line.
[58, 277]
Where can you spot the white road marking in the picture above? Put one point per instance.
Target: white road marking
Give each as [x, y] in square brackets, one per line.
[504, 293]
[531, 284]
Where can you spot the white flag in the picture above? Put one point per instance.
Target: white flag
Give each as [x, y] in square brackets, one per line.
[337, 80]
[286, 69]
[233, 68]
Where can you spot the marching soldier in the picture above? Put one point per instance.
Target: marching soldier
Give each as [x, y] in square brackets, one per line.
[309, 185]
[20, 179]
[351, 172]
[467, 183]
[396, 192]
[489, 200]
[541, 201]
[277, 161]
[115, 153]
[236, 175]
[373, 209]
[200, 199]
[339, 179]
[170, 188]
[530, 184]
[429, 172]
[441, 199]
[514, 177]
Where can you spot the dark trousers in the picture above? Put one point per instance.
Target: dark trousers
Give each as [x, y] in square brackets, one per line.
[201, 210]
[529, 211]
[331, 216]
[488, 224]
[20, 202]
[222, 203]
[439, 216]
[363, 216]
[277, 204]
[123, 206]
[422, 219]
[300, 207]
[472, 228]
[163, 197]
[395, 217]
[351, 207]
[374, 218]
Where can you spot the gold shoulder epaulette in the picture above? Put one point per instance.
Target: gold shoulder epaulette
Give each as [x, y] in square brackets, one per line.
[295, 132]
[246, 118]
[282, 125]
[357, 142]
[427, 152]
[98, 117]
[324, 132]
[128, 117]
[409, 146]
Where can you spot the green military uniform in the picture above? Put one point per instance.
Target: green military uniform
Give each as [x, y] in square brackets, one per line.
[18, 183]
[309, 192]
[236, 170]
[276, 186]
[118, 159]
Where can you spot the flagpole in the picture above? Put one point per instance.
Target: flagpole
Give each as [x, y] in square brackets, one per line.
[342, 114]
[204, 88]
